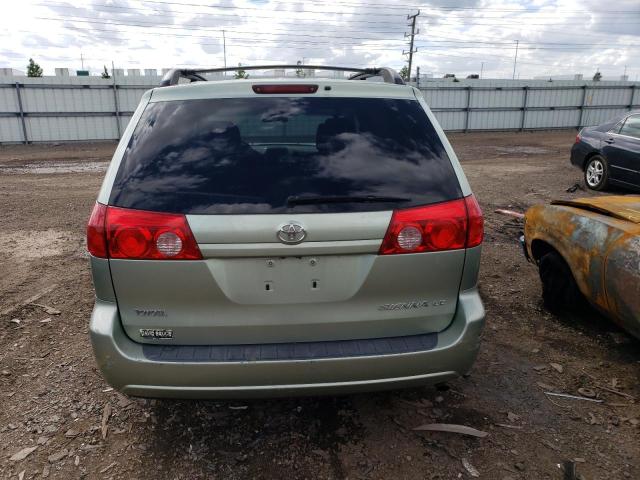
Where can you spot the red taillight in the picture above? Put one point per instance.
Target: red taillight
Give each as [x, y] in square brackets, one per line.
[475, 227]
[578, 138]
[443, 226]
[139, 235]
[284, 88]
[96, 234]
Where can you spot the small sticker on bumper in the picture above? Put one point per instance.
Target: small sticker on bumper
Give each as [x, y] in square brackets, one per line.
[161, 333]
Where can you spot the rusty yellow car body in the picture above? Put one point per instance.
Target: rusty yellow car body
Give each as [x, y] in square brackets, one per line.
[599, 239]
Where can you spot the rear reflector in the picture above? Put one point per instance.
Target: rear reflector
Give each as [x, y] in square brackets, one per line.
[284, 88]
[139, 235]
[444, 226]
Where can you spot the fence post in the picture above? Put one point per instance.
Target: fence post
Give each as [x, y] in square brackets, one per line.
[466, 120]
[24, 125]
[633, 94]
[524, 107]
[115, 102]
[582, 105]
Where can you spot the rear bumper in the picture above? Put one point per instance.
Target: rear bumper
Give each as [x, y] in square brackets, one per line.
[129, 368]
[579, 152]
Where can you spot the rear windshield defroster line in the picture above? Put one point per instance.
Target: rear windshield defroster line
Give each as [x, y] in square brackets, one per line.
[251, 155]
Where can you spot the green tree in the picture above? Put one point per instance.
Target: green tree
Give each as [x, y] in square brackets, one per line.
[404, 73]
[299, 71]
[105, 73]
[240, 73]
[597, 77]
[33, 69]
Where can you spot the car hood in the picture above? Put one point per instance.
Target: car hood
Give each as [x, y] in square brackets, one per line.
[624, 207]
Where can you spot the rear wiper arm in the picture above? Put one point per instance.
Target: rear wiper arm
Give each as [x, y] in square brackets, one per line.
[310, 200]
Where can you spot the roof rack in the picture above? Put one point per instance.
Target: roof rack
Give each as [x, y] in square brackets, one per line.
[174, 75]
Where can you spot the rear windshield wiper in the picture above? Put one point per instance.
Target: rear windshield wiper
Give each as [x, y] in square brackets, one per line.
[311, 200]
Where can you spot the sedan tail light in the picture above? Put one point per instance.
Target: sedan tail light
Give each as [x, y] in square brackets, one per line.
[443, 226]
[140, 235]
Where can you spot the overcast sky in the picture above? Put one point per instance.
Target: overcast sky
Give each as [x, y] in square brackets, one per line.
[555, 36]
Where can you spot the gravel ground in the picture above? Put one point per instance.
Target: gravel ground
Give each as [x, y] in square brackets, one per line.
[59, 419]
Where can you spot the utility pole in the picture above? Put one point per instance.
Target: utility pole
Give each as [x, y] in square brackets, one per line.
[82, 61]
[224, 49]
[481, 69]
[515, 60]
[412, 35]
[418, 78]
[116, 105]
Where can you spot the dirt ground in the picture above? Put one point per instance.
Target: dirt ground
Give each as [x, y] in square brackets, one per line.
[53, 398]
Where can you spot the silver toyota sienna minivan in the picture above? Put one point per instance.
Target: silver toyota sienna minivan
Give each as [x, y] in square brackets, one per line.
[266, 237]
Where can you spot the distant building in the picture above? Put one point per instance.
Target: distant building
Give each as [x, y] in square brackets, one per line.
[575, 76]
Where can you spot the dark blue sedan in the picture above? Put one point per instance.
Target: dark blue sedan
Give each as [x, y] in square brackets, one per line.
[609, 154]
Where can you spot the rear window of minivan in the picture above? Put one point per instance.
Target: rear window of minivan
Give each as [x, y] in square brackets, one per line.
[252, 155]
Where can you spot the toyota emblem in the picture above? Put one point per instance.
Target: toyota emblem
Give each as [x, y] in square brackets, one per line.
[291, 233]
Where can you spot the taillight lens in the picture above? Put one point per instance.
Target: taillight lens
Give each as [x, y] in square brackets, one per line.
[96, 233]
[444, 226]
[139, 235]
[578, 138]
[475, 228]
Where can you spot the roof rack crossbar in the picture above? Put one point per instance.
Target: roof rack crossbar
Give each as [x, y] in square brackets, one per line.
[173, 76]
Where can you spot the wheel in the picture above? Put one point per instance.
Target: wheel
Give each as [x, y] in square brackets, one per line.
[596, 173]
[559, 289]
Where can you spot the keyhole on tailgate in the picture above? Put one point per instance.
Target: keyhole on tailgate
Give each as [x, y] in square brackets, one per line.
[268, 286]
[314, 284]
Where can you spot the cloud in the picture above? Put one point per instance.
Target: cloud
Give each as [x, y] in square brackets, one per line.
[555, 36]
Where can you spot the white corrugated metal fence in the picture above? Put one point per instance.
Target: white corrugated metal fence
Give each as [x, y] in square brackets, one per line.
[64, 108]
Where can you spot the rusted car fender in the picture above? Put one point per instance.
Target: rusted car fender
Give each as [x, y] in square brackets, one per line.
[602, 251]
[622, 282]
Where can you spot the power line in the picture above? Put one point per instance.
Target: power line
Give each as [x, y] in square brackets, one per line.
[193, 35]
[324, 13]
[447, 55]
[370, 30]
[238, 40]
[546, 30]
[396, 6]
[377, 8]
[217, 29]
[371, 43]
[474, 44]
